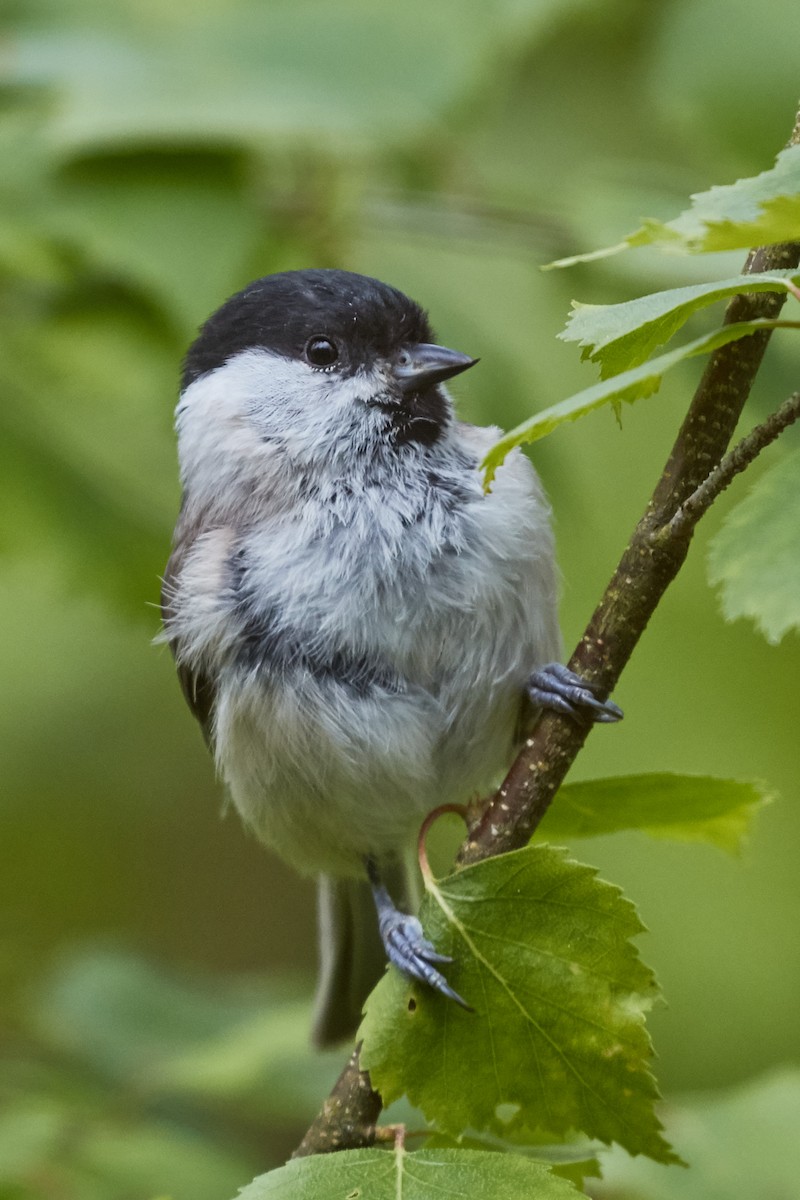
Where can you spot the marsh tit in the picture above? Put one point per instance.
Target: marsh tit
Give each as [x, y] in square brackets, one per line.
[362, 632]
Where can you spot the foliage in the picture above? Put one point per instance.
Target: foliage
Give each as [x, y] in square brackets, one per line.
[750, 212]
[686, 808]
[741, 1144]
[755, 558]
[376, 1175]
[536, 915]
[62, 1120]
[85, 1153]
[635, 384]
[621, 336]
[541, 950]
[165, 1036]
[189, 1055]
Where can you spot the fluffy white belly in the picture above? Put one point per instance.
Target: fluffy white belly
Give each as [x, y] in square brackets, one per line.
[324, 781]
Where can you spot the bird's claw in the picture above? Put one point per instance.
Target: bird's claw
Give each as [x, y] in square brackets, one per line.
[411, 952]
[555, 686]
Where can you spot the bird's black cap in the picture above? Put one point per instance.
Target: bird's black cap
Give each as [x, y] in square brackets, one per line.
[281, 312]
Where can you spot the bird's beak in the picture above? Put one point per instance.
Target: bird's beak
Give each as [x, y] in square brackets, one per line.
[421, 366]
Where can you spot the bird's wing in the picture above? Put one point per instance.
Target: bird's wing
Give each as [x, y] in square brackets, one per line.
[197, 687]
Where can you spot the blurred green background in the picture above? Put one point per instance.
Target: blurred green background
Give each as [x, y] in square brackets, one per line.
[155, 158]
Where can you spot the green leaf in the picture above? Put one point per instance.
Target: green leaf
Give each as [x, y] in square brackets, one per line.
[742, 1145]
[25, 193]
[155, 1159]
[294, 71]
[82, 464]
[557, 1040]
[102, 1149]
[168, 1035]
[631, 385]
[264, 1061]
[620, 336]
[142, 219]
[390, 1175]
[686, 808]
[575, 1159]
[756, 211]
[122, 1015]
[30, 1134]
[755, 557]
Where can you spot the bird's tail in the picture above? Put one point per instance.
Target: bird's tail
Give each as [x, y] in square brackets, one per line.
[352, 957]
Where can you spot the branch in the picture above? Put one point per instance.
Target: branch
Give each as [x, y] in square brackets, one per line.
[732, 465]
[347, 1119]
[650, 563]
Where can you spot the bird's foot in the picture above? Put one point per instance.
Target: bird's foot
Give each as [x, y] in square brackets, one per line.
[408, 948]
[555, 686]
[406, 945]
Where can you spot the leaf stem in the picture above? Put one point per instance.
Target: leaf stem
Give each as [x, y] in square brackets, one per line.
[422, 852]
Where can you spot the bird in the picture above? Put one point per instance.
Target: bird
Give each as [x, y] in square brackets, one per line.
[363, 632]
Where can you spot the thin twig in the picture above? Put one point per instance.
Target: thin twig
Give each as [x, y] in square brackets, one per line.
[742, 455]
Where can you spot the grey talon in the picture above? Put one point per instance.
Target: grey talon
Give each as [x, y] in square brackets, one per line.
[554, 686]
[405, 944]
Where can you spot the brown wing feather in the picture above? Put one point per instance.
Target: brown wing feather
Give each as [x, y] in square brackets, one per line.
[197, 688]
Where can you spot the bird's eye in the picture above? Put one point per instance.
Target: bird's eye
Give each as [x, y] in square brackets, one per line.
[321, 352]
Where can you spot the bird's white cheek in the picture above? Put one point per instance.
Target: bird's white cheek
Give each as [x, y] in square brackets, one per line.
[234, 424]
[216, 435]
[315, 417]
[261, 419]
